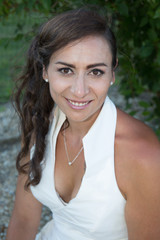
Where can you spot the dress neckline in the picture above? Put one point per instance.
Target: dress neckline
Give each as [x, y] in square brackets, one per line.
[58, 122]
[59, 118]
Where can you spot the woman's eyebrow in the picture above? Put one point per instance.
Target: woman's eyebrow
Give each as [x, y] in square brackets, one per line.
[89, 66]
[66, 64]
[96, 65]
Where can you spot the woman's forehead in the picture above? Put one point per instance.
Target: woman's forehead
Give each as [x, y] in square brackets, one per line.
[92, 48]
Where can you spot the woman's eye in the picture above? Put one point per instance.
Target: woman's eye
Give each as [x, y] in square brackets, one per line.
[65, 70]
[97, 72]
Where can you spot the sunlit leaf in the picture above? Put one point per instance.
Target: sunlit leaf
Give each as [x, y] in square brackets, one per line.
[144, 104]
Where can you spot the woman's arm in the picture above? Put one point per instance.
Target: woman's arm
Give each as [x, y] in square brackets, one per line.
[137, 159]
[26, 214]
[143, 201]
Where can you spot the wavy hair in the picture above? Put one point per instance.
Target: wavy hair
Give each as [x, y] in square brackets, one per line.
[32, 98]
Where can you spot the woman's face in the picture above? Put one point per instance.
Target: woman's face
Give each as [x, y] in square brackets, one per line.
[79, 77]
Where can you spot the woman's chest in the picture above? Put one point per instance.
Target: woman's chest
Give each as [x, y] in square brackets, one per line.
[68, 178]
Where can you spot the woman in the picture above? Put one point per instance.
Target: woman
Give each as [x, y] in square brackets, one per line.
[95, 167]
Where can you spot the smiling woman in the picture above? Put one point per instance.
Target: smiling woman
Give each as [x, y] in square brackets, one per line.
[96, 168]
[79, 76]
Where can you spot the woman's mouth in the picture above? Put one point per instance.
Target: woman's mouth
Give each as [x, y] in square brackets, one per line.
[77, 105]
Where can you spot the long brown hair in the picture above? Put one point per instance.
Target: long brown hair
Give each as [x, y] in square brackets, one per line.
[36, 105]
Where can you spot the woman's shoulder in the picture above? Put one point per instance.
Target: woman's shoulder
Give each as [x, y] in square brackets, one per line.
[133, 131]
[137, 151]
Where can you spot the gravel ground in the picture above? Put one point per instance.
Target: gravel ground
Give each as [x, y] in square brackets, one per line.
[9, 147]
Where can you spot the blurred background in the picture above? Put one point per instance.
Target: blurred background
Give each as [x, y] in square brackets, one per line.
[136, 24]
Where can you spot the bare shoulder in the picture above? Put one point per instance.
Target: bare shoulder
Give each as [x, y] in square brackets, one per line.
[136, 145]
[137, 162]
[140, 140]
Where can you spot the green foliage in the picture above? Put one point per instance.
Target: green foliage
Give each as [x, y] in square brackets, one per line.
[138, 34]
[137, 27]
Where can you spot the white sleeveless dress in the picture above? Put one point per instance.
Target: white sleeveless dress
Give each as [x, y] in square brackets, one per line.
[97, 212]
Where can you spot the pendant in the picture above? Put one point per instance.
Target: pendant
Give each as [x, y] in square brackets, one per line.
[69, 163]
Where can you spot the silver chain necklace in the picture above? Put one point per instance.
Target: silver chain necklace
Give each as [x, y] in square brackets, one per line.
[66, 150]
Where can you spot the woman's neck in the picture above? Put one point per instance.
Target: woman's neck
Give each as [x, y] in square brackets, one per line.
[80, 129]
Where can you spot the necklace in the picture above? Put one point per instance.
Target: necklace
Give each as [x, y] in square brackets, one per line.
[66, 150]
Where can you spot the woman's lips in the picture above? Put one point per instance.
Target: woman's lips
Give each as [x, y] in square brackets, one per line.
[78, 104]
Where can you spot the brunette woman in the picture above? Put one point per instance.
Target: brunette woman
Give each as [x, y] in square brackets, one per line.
[94, 166]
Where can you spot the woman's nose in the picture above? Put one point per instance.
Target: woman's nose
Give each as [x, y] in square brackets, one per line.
[79, 87]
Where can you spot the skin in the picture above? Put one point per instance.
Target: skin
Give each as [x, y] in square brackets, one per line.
[81, 82]
[137, 150]
[137, 165]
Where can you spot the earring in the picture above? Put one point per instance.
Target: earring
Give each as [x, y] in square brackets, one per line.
[46, 80]
[111, 83]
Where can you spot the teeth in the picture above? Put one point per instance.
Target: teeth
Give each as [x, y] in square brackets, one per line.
[78, 104]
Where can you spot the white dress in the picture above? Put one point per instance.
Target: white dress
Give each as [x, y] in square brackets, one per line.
[97, 212]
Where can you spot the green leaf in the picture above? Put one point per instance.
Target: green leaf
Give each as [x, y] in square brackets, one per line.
[132, 113]
[157, 13]
[144, 21]
[158, 133]
[146, 50]
[144, 104]
[123, 8]
[19, 1]
[18, 37]
[152, 34]
[145, 113]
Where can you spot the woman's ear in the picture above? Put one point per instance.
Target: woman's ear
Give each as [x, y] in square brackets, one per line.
[44, 73]
[116, 64]
[113, 75]
[113, 78]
